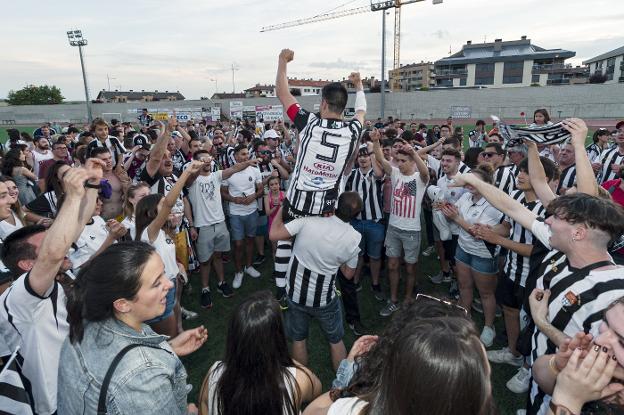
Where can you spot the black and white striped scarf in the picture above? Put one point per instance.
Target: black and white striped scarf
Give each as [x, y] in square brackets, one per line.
[544, 134]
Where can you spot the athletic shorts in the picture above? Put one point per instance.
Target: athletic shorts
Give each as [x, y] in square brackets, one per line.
[211, 239]
[508, 293]
[398, 240]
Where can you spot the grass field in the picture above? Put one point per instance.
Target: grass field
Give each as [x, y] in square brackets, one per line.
[216, 320]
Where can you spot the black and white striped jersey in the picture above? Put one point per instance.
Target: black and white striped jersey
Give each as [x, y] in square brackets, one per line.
[463, 168]
[517, 266]
[325, 145]
[225, 158]
[567, 178]
[505, 179]
[369, 188]
[608, 159]
[594, 152]
[577, 301]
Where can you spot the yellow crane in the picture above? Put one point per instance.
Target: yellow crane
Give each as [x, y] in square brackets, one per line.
[374, 7]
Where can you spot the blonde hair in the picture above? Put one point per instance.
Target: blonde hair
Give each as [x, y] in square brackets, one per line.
[128, 207]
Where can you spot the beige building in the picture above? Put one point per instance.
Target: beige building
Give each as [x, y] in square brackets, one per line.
[412, 77]
[504, 64]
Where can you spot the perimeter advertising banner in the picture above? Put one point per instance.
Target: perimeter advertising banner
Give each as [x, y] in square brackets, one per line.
[269, 113]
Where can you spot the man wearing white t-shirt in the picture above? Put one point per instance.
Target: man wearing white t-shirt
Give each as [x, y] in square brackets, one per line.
[209, 220]
[242, 189]
[409, 181]
[33, 315]
[41, 152]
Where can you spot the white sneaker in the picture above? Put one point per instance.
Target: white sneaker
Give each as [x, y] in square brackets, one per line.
[504, 355]
[521, 412]
[252, 272]
[520, 382]
[238, 280]
[487, 336]
[428, 251]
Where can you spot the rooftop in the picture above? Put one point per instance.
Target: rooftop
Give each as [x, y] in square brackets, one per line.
[261, 88]
[132, 95]
[307, 82]
[615, 52]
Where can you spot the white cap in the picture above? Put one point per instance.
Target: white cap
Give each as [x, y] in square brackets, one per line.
[270, 134]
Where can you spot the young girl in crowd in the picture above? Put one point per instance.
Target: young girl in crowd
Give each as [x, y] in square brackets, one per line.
[476, 260]
[15, 220]
[272, 203]
[257, 377]
[153, 217]
[14, 165]
[107, 307]
[134, 194]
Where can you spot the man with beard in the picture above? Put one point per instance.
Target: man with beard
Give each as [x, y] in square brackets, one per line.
[213, 237]
[224, 154]
[41, 152]
[568, 168]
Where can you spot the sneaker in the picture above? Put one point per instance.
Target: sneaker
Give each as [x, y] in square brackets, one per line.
[225, 289]
[188, 314]
[454, 290]
[487, 336]
[437, 279]
[259, 260]
[477, 306]
[238, 280]
[205, 300]
[280, 295]
[252, 272]
[389, 308]
[377, 293]
[428, 251]
[520, 382]
[504, 355]
[358, 287]
[448, 277]
[357, 328]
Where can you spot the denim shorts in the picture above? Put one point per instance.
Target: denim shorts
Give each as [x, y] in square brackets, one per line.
[477, 263]
[261, 225]
[243, 226]
[329, 317]
[398, 240]
[171, 299]
[372, 237]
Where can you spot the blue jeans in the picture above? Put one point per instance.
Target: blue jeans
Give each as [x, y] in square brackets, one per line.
[329, 317]
[373, 234]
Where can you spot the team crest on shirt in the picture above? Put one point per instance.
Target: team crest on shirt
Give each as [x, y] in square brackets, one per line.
[250, 179]
[570, 299]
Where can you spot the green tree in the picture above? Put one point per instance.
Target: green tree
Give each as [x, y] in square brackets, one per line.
[35, 95]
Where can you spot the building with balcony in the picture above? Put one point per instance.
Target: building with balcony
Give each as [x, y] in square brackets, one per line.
[260, 91]
[370, 84]
[138, 96]
[502, 64]
[610, 64]
[306, 86]
[412, 77]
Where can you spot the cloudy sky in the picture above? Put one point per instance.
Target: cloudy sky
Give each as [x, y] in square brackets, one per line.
[190, 45]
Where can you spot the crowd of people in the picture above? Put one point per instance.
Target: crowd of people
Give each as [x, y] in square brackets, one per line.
[102, 225]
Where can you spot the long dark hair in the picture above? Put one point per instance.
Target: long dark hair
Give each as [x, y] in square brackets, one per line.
[146, 212]
[255, 379]
[17, 206]
[12, 159]
[447, 353]
[113, 274]
[544, 112]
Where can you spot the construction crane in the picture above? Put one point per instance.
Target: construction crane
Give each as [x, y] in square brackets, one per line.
[374, 7]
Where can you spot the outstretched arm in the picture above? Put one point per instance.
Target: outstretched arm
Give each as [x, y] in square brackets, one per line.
[537, 175]
[385, 164]
[281, 80]
[585, 178]
[360, 98]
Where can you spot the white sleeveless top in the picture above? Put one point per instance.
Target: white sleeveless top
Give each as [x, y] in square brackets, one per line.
[165, 246]
[6, 228]
[347, 406]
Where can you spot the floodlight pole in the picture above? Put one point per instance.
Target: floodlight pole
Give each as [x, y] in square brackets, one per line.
[76, 39]
[382, 105]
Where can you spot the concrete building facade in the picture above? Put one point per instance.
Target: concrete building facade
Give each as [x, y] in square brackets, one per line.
[412, 77]
[610, 64]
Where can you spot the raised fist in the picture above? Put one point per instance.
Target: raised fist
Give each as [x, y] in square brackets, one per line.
[287, 55]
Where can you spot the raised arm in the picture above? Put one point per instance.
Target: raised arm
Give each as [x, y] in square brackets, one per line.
[65, 229]
[158, 151]
[281, 80]
[585, 178]
[537, 175]
[360, 98]
[423, 170]
[427, 149]
[385, 164]
[497, 198]
[278, 230]
[227, 173]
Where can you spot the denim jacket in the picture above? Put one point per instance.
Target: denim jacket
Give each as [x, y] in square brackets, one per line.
[148, 380]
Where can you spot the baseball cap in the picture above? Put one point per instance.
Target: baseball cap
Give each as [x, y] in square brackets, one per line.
[270, 134]
[141, 140]
[176, 134]
[619, 125]
[363, 150]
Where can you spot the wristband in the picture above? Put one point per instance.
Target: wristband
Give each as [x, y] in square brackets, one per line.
[92, 186]
[360, 101]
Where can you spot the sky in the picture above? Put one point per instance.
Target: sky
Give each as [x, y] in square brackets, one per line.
[191, 45]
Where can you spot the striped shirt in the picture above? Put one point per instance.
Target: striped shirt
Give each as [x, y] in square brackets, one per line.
[322, 245]
[568, 178]
[504, 178]
[369, 188]
[225, 158]
[325, 146]
[577, 302]
[608, 159]
[594, 152]
[517, 266]
[463, 168]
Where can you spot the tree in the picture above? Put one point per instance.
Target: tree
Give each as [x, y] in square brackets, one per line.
[597, 78]
[35, 95]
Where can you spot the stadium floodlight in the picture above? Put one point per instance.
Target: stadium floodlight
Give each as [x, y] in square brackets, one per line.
[76, 39]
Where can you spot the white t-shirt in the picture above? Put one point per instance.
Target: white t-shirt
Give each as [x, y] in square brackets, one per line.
[39, 158]
[216, 371]
[165, 246]
[477, 212]
[347, 406]
[38, 325]
[542, 232]
[243, 184]
[451, 195]
[406, 201]
[130, 224]
[90, 240]
[7, 228]
[205, 197]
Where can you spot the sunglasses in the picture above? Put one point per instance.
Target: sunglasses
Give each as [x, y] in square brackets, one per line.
[439, 300]
[488, 154]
